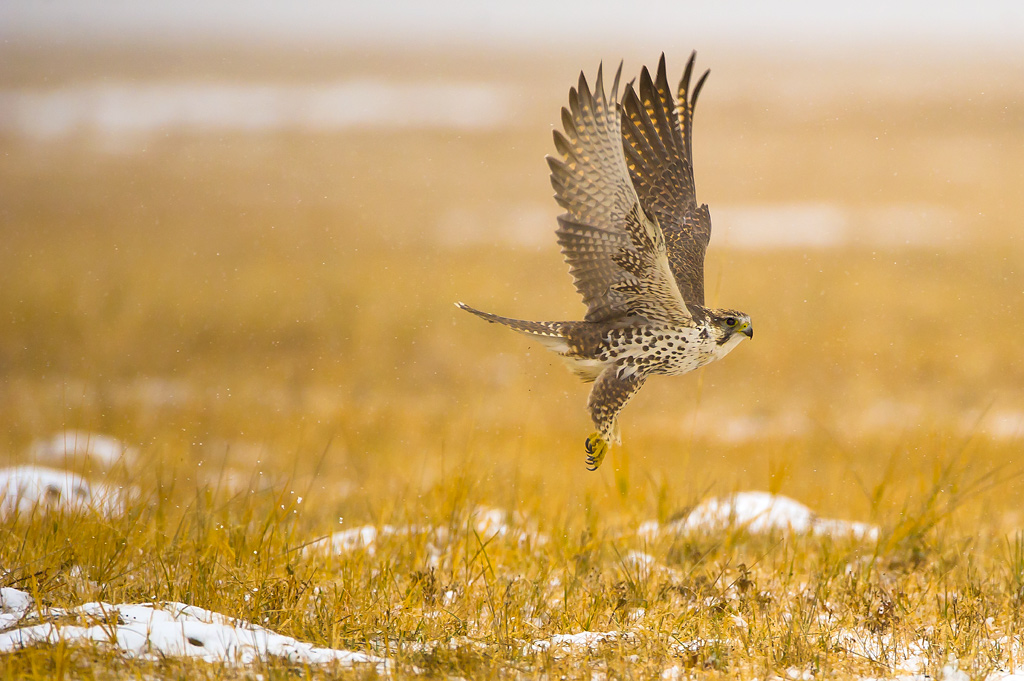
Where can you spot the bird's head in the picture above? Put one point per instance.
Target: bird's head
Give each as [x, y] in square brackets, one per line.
[730, 323]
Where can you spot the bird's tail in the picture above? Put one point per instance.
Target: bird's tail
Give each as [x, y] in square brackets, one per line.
[548, 333]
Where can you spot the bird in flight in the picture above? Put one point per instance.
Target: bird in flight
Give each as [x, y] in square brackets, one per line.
[634, 237]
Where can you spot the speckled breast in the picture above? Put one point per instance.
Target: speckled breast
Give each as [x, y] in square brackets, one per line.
[664, 350]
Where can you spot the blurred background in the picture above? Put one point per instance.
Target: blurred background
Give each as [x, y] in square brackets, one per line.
[234, 231]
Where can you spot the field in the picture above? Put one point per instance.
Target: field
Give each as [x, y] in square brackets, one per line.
[265, 317]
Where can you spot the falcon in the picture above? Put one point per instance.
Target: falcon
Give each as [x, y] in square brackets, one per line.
[634, 237]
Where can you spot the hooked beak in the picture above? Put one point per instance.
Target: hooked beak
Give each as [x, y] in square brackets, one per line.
[748, 330]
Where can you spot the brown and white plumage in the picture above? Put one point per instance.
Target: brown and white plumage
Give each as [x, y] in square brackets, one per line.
[616, 254]
[657, 140]
[634, 237]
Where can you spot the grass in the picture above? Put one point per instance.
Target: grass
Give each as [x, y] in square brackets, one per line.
[270, 317]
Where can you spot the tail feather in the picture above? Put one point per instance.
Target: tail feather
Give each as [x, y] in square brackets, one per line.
[551, 335]
[547, 329]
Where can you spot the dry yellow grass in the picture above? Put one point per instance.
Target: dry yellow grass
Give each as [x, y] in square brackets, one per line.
[270, 316]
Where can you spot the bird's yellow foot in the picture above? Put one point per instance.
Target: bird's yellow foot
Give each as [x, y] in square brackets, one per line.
[596, 447]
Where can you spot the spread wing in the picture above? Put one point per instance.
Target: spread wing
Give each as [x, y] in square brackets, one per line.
[656, 134]
[617, 255]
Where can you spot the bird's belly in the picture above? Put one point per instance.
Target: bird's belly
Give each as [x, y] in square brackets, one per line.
[665, 351]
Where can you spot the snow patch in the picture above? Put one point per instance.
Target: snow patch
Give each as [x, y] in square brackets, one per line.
[487, 522]
[639, 562]
[758, 513]
[24, 488]
[490, 522]
[1005, 425]
[81, 444]
[156, 631]
[816, 224]
[352, 539]
[901, 657]
[117, 109]
[585, 641]
[13, 606]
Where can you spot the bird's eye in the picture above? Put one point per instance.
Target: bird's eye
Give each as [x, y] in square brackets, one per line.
[730, 321]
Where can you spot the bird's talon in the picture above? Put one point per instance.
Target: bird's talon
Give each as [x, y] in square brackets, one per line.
[596, 448]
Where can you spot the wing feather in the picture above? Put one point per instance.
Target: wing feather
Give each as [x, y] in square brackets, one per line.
[657, 140]
[616, 253]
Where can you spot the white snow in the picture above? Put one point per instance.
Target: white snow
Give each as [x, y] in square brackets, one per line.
[758, 513]
[154, 631]
[1002, 425]
[639, 562]
[13, 606]
[905, 661]
[78, 444]
[112, 109]
[834, 527]
[817, 224]
[487, 522]
[366, 537]
[346, 541]
[899, 656]
[585, 641]
[23, 488]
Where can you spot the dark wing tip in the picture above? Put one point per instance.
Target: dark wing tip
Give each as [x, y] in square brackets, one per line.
[629, 94]
[567, 123]
[562, 144]
[615, 83]
[661, 79]
[696, 90]
[647, 90]
[599, 95]
[684, 82]
[582, 86]
[645, 78]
